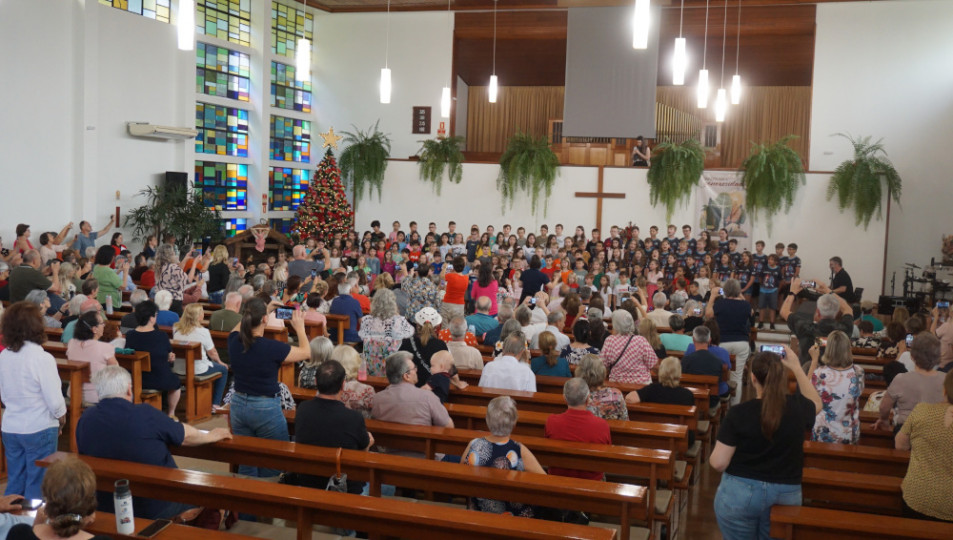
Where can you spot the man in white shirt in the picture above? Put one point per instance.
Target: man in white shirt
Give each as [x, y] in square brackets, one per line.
[556, 320]
[525, 317]
[660, 315]
[511, 370]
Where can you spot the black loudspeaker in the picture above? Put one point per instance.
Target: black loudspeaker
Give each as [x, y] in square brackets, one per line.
[175, 180]
[888, 303]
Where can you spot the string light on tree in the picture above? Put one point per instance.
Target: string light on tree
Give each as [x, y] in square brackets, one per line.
[324, 210]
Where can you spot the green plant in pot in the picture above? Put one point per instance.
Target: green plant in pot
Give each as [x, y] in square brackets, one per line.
[364, 161]
[860, 182]
[674, 173]
[174, 210]
[771, 175]
[439, 155]
[530, 166]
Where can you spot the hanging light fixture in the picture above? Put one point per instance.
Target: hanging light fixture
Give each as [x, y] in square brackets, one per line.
[445, 95]
[703, 72]
[640, 33]
[494, 84]
[303, 54]
[736, 79]
[721, 100]
[385, 71]
[680, 58]
[186, 25]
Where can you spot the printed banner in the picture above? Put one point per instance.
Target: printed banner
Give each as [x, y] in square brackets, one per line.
[721, 205]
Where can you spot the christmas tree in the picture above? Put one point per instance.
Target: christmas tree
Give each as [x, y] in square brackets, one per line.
[324, 210]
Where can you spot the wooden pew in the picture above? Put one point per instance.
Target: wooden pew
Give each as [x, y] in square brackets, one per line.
[105, 525]
[803, 523]
[340, 323]
[859, 492]
[198, 388]
[625, 502]
[75, 373]
[135, 364]
[307, 506]
[856, 458]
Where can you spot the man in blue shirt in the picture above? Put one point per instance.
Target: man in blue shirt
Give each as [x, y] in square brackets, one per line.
[482, 321]
[345, 304]
[87, 238]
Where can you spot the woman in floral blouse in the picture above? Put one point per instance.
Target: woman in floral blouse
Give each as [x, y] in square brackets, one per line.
[382, 331]
[579, 347]
[604, 401]
[171, 277]
[357, 396]
[840, 384]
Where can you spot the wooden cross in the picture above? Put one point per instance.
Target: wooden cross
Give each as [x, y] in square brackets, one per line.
[598, 195]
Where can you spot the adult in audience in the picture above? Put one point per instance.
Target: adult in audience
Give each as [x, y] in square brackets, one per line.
[579, 424]
[218, 274]
[51, 243]
[326, 421]
[922, 385]
[345, 304]
[533, 279]
[659, 314]
[420, 289]
[713, 347]
[321, 349]
[627, 356]
[499, 451]
[549, 363]
[356, 396]
[760, 448]
[649, 331]
[579, 346]
[424, 343]
[228, 317]
[702, 361]
[128, 321]
[5, 281]
[86, 238]
[554, 326]
[604, 401]
[117, 428]
[492, 336]
[165, 317]
[30, 386]
[832, 313]
[147, 338]
[255, 361]
[676, 340]
[915, 326]
[867, 339]
[482, 321]
[110, 281]
[524, 315]
[190, 328]
[893, 343]
[464, 356]
[87, 347]
[402, 401]
[456, 288]
[839, 383]
[301, 266]
[69, 495]
[510, 370]
[485, 286]
[171, 277]
[28, 277]
[927, 433]
[382, 331]
[733, 313]
[42, 301]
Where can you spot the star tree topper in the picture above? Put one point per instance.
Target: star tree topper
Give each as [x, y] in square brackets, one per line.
[330, 139]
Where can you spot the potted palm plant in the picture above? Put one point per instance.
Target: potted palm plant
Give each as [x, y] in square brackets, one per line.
[364, 161]
[439, 155]
[771, 175]
[181, 211]
[529, 165]
[674, 173]
[860, 182]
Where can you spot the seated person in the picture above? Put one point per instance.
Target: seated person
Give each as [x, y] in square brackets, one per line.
[578, 423]
[165, 317]
[676, 340]
[867, 339]
[550, 362]
[666, 390]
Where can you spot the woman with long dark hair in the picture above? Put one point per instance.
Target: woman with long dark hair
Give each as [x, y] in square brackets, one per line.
[486, 284]
[760, 448]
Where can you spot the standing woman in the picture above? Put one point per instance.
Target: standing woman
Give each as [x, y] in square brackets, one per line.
[171, 277]
[641, 154]
[218, 274]
[486, 285]
[146, 337]
[35, 408]
[255, 360]
[110, 281]
[760, 448]
[149, 249]
[116, 243]
[22, 244]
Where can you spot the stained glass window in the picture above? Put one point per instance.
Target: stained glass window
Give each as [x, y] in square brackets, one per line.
[153, 9]
[222, 130]
[234, 226]
[287, 187]
[223, 185]
[282, 225]
[225, 19]
[221, 72]
[288, 93]
[287, 25]
[290, 139]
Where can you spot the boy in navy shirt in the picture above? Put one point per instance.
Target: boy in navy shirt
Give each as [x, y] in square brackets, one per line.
[768, 298]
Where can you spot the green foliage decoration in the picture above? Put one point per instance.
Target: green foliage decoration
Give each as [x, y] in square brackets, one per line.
[860, 182]
[438, 155]
[176, 210]
[364, 161]
[771, 175]
[527, 165]
[674, 173]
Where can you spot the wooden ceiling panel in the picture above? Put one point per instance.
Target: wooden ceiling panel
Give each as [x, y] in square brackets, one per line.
[482, 5]
[537, 62]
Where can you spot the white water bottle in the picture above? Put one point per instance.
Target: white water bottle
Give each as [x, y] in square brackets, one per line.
[109, 305]
[122, 506]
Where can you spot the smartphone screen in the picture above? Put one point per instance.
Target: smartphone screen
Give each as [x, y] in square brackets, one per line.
[776, 349]
[633, 289]
[29, 504]
[697, 311]
[721, 291]
[284, 314]
[154, 528]
[314, 272]
[909, 340]
[943, 305]
[532, 301]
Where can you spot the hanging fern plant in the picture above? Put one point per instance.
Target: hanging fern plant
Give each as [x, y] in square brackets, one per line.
[529, 165]
[674, 173]
[364, 161]
[771, 175]
[860, 182]
[438, 155]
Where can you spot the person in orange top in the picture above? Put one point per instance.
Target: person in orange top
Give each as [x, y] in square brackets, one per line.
[455, 289]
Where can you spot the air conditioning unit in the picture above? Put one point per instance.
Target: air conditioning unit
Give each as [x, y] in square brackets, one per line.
[143, 129]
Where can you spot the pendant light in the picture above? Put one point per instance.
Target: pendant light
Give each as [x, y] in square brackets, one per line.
[736, 79]
[186, 25]
[494, 88]
[445, 95]
[640, 30]
[385, 71]
[680, 58]
[721, 101]
[703, 73]
[303, 54]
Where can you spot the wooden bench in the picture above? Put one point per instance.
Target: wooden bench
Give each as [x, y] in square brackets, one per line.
[859, 492]
[105, 524]
[198, 388]
[306, 506]
[855, 458]
[75, 373]
[340, 323]
[803, 523]
[135, 363]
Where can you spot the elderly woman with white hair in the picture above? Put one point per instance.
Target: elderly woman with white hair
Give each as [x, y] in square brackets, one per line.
[166, 317]
[627, 356]
[356, 396]
[42, 300]
[499, 451]
[321, 349]
[604, 401]
[382, 331]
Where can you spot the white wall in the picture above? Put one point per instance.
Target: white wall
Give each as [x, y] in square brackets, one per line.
[349, 52]
[476, 200]
[883, 69]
